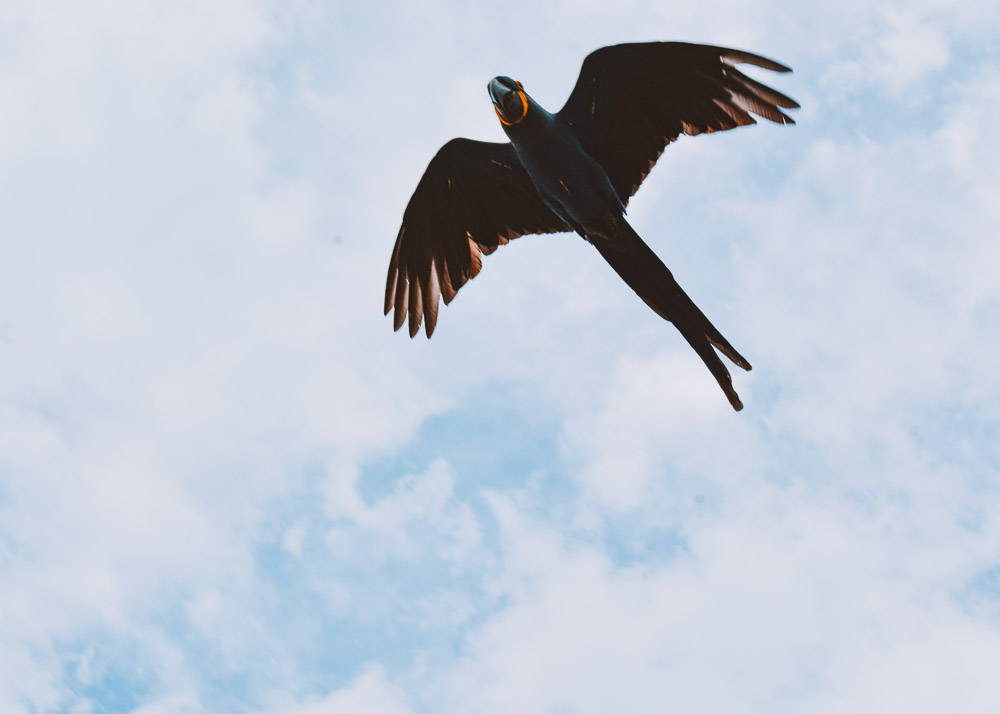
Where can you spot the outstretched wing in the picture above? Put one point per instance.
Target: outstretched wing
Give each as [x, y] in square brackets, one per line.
[631, 100]
[473, 197]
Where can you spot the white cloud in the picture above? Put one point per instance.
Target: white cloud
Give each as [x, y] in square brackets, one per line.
[175, 704]
[798, 604]
[199, 397]
[398, 524]
[900, 48]
[649, 402]
[369, 693]
[292, 539]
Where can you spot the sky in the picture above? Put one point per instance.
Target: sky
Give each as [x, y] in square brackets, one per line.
[227, 486]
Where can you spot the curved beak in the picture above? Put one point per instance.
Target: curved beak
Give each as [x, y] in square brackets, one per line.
[497, 90]
[509, 100]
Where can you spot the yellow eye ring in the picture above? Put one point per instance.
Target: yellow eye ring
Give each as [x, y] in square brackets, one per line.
[524, 113]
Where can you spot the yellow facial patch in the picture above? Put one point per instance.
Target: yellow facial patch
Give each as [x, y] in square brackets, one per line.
[524, 112]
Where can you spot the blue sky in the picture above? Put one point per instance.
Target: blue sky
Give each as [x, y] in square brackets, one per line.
[227, 485]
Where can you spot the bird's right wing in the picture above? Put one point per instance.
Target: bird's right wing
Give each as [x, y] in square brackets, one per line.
[631, 100]
[473, 197]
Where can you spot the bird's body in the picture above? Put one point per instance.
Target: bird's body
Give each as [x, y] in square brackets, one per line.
[580, 191]
[576, 170]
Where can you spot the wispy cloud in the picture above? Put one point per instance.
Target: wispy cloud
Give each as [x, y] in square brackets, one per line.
[225, 484]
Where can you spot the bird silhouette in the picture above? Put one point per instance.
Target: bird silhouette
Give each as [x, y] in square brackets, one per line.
[576, 171]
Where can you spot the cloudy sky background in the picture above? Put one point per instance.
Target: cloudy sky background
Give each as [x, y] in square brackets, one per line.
[227, 485]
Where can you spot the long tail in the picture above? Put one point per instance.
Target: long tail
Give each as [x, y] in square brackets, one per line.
[645, 273]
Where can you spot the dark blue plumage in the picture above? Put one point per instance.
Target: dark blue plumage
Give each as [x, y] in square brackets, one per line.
[576, 170]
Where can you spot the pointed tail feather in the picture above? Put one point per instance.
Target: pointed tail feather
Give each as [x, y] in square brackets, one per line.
[646, 274]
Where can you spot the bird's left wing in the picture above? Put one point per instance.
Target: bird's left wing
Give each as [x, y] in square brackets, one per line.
[631, 100]
[473, 197]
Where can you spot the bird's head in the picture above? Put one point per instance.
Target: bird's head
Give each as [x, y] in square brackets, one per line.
[509, 100]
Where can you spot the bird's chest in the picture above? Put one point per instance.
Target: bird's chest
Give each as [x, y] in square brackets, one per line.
[571, 183]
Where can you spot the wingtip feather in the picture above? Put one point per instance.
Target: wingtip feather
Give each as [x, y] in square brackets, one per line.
[432, 296]
[402, 297]
[740, 57]
[416, 308]
[390, 289]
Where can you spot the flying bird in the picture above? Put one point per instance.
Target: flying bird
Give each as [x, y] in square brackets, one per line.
[576, 171]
